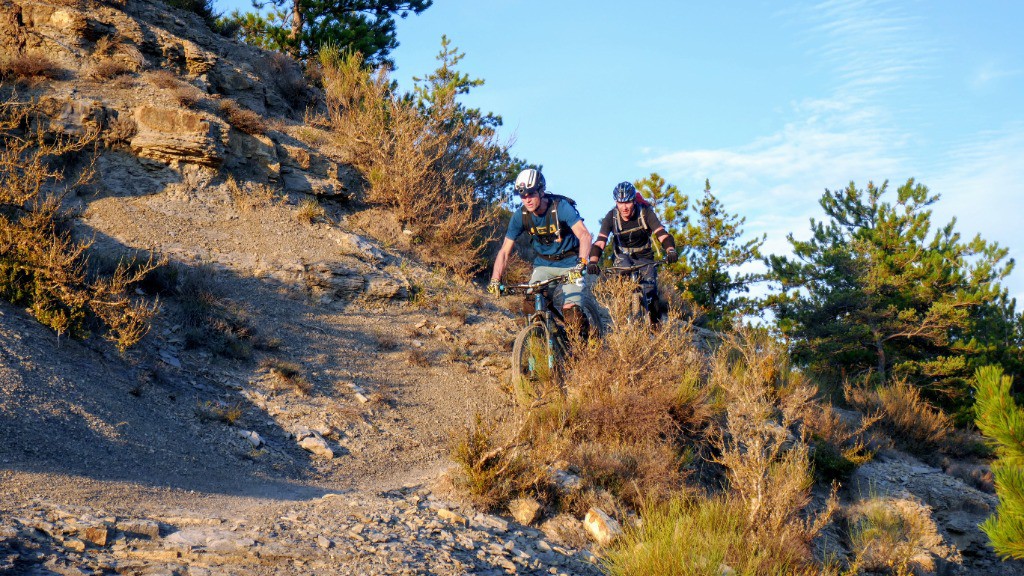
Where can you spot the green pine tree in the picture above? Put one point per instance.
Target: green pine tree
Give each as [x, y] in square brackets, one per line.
[711, 253]
[302, 27]
[1001, 420]
[874, 290]
[474, 150]
[715, 255]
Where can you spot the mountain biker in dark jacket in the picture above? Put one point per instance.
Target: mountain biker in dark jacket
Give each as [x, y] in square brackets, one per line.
[559, 237]
[633, 223]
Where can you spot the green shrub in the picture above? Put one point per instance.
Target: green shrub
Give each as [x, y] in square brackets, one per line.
[1001, 420]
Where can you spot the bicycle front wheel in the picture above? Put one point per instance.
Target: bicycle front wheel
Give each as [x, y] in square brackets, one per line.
[532, 362]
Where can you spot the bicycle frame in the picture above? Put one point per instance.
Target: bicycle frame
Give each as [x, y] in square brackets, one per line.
[544, 314]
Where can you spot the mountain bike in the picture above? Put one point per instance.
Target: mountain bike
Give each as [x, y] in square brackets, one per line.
[639, 303]
[540, 346]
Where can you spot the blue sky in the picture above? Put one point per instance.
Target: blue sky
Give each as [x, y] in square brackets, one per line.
[773, 103]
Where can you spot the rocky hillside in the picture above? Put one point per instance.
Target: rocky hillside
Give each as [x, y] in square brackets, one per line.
[290, 410]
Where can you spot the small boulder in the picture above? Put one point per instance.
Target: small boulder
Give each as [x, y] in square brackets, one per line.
[317, 445]
[602, 528]
[526, 511]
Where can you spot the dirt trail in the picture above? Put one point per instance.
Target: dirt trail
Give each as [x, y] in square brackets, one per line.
[133, 437]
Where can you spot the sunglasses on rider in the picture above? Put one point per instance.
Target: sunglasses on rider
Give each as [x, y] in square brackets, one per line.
[525, 195]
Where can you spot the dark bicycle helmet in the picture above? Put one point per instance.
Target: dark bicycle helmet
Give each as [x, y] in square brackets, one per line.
[624, 192]
[530, 180]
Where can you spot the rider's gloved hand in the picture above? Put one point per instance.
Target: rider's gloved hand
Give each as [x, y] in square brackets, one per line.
[593, 269]
[671, 256]
[494, 288]
[576, 272]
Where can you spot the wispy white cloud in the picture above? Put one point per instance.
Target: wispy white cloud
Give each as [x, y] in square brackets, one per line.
[990, 73]
[981, 182]
[861, 51]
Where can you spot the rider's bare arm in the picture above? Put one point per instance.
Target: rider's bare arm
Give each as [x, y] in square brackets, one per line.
[581, 232]
[501, 260]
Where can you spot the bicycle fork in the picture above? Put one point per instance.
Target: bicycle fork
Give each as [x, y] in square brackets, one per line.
[539, 304]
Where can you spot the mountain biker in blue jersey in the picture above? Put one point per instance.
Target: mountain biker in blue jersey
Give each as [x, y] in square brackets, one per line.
[633, 223]
[558, 236]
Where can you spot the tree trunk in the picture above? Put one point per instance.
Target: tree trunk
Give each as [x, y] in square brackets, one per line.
[880, 353]
[296, 27]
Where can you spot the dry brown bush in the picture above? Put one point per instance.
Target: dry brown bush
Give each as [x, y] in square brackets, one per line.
[41, 265]
[31, 66]
[120, 131]
[188, 95]
[163, 79]
[768, 468]
[288, 77]
[244, 119]
[108, 68]
[903, 414]
[410, 161]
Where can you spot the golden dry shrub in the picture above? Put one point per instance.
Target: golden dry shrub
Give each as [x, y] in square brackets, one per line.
[901, 411]
[767, 465]
[493, 469]
[892, 535]
[309, 211]
[633, 404]
[119, 131]
[413, 162]
[41, 265]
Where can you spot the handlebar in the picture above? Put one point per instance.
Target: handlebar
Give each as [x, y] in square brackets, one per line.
[628, 269]
[533, 287]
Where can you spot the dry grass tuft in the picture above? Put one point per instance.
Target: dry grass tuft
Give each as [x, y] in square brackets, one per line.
[287, 376]
[211, 411]
[906, 417]
[385, 342]
[420, 357]
[250, 196]
[211, 321]
[242, 118]
[892, 536]
[310, 211]
[491, 470]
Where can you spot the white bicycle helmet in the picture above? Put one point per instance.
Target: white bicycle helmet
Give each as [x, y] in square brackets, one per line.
[529, 181]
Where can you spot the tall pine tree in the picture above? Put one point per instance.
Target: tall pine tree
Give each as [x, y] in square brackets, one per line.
[874, 290]
[716, 255]
[712, 254]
